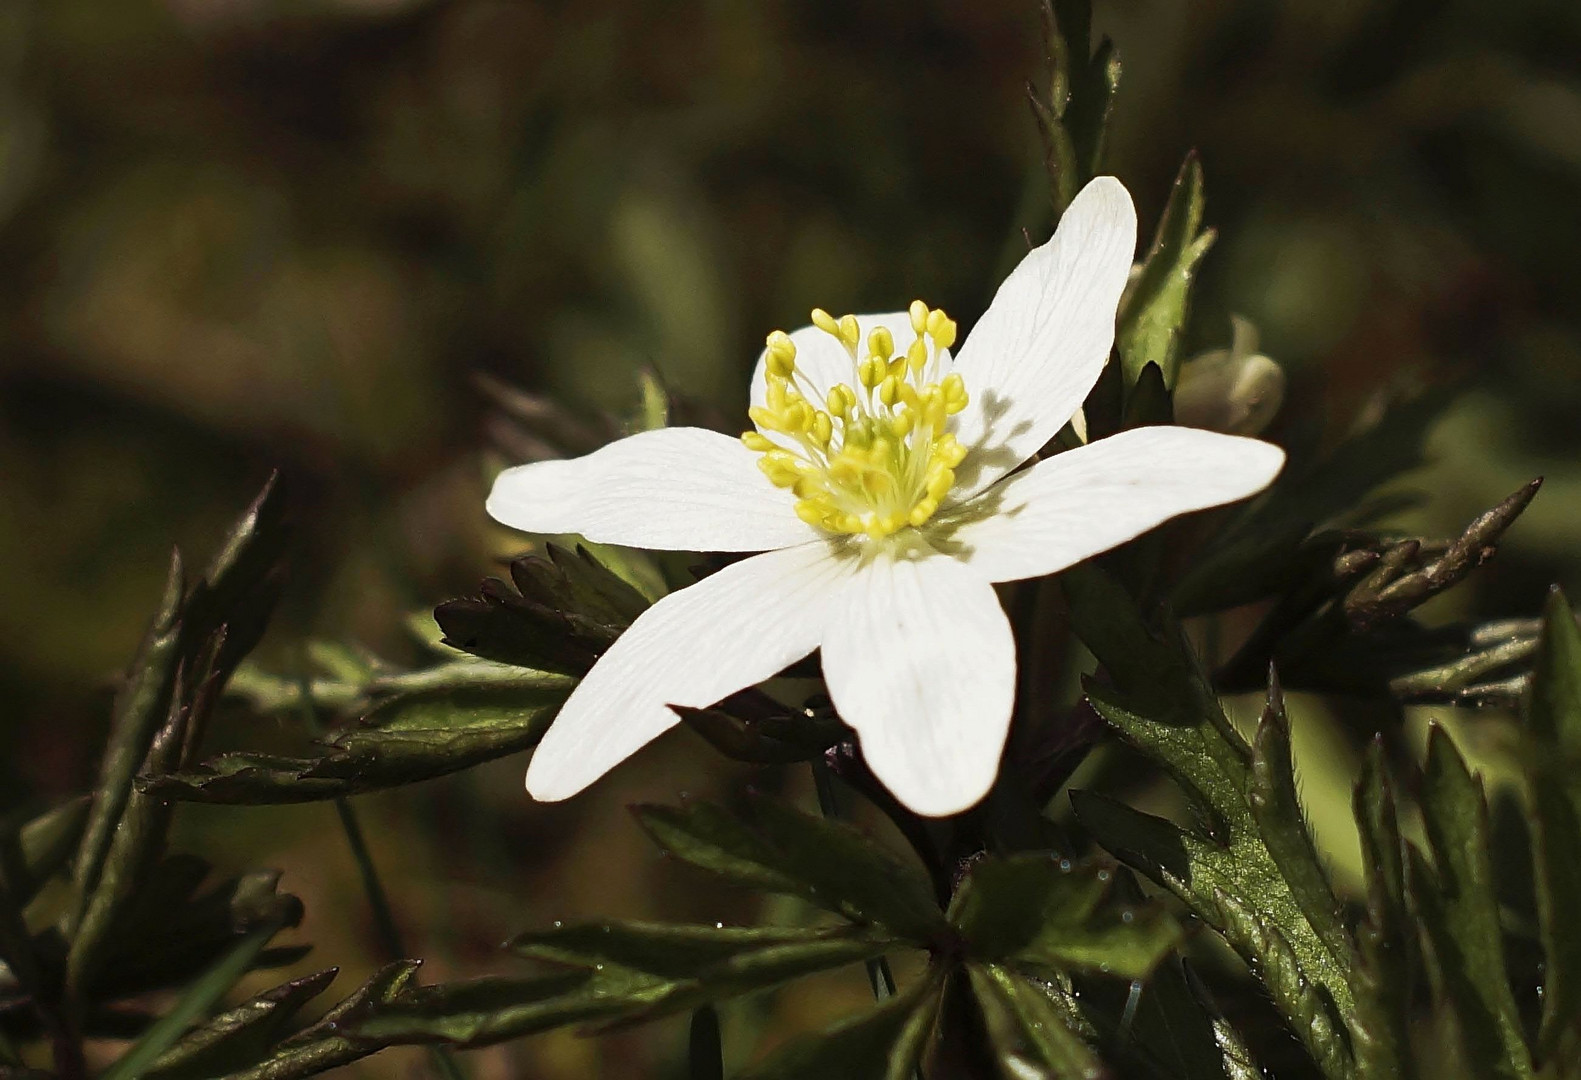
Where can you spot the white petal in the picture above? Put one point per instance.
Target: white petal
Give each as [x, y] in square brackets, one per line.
[823, 361]
[1036, 352]
[921, 662]
[1087, 500]
[694, 647]
[674, 489]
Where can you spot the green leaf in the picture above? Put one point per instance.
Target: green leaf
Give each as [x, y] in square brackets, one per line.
[437, 722]
[1460, 914]
[883, 1043]
[1380, 1023]
[238, 1037]
[1260, 553]
[1153, 313]
[672, 950]
[1553, 719]
[1073, 113]
[1040, 909]
[1163, 702]
[324, 1045]
[41, 848]
[229, 606]
[1169, 1034]
[496, 1008]
[1282, 824]
[828, 863]
[769, 739]
[1237, 889]
[169, 931]
[566, 609]
[196, 1000]
[141, 706]
[1033, 1027]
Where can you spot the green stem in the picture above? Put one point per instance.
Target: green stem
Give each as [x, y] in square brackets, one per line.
[879, 977]
[378, 900]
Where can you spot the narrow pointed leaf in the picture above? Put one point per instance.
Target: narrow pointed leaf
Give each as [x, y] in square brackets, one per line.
[41, 848]
[1460, 913]
[141, 706]
[1381, 977]
[438, 722]
[1153, 314]
[1032, 1037]
[1554, 755]
[1282, 824]
[672, 950]
[239, 1037]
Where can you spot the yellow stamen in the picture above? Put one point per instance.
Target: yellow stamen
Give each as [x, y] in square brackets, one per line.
[877, 458]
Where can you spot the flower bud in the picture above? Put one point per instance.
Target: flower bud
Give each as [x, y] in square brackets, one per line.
[1236, 390]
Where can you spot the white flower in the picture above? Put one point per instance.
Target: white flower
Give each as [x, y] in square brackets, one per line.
[879, 486]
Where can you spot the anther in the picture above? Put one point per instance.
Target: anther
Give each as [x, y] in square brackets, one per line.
[919, 317]
[941, 328]
[880, 342]
[825, 321]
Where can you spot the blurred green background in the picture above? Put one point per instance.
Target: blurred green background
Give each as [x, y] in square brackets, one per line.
[238, 235]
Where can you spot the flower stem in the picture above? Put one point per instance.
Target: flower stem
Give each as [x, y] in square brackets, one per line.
[879, 977]
[388, 933]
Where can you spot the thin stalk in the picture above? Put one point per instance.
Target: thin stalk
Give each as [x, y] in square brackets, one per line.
[373, 887]
[879, 977]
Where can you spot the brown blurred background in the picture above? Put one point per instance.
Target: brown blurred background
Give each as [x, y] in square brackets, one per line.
[237, 235]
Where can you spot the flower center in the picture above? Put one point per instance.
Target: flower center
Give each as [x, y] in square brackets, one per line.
[871, 460]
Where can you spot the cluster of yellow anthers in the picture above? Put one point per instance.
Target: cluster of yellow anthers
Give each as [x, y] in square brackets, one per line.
[871, 461]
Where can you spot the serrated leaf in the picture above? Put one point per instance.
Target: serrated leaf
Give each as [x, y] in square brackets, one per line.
[1153, 313]
[882, 1043]
[1039, 909]
[829, 863]
[672, 950]
[323, 1045]
[1380, 1024]
[1236, 888]
[1459, 911]
[1163, 702]
[440, 721]
[495, 1008]
[565, 610]
[1032, 1037]
[239, 1037]
[1276, 807]
[1554, 721]
[490, 1010]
